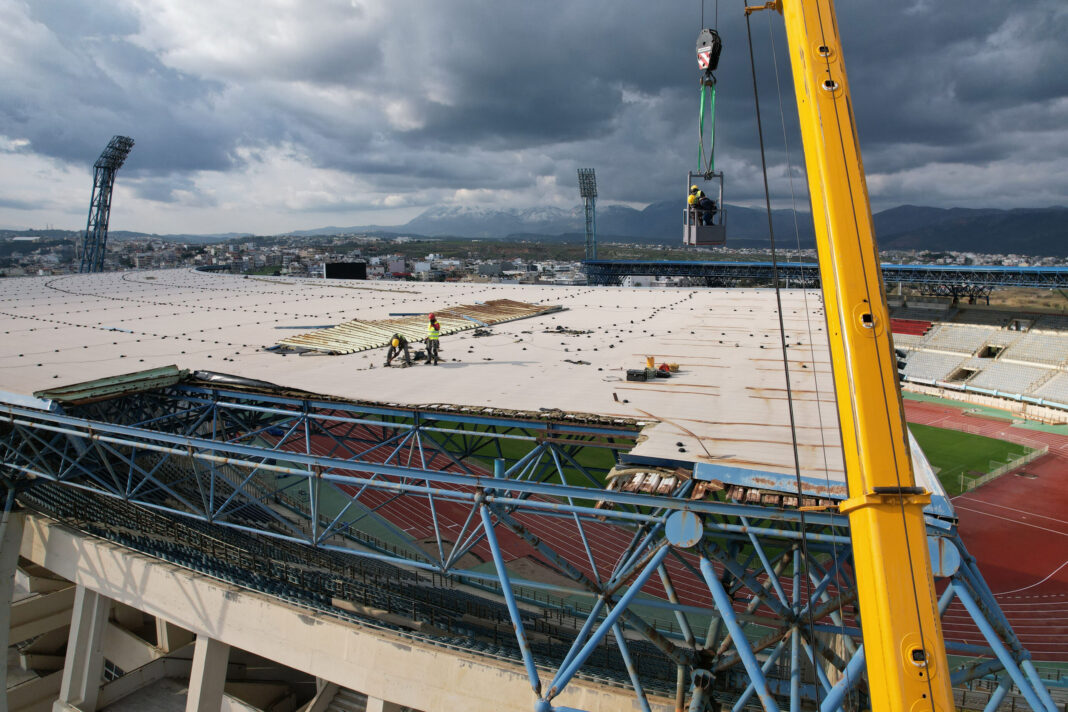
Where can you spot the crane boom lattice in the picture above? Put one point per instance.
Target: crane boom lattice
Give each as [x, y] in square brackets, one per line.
[96, 229]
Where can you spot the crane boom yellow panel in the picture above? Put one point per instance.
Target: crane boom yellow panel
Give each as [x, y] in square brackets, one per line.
[905, 652]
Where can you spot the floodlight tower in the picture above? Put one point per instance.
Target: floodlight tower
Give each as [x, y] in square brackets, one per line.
[588, 190]
[96, 230]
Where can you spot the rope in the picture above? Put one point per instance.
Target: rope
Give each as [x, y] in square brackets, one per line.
[785, 356]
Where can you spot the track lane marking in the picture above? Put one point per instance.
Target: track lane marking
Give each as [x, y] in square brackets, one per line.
[1014, 521]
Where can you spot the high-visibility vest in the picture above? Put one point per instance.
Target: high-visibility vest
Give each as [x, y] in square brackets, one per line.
[432, 333]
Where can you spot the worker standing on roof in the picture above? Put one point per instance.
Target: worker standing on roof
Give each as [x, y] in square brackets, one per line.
[433, 334]
[397, 344]
[703, 206]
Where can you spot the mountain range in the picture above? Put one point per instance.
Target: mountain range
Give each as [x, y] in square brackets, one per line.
[1027, 231]
[1023, 231]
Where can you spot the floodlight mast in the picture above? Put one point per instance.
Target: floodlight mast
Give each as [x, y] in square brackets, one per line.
[96, 229]
[587, 179]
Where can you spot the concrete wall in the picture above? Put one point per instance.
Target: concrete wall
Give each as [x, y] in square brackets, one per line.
[378, 663]
[1030, 411]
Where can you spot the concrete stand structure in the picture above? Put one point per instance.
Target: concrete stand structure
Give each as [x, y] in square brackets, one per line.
[208, 678]
[84, 667]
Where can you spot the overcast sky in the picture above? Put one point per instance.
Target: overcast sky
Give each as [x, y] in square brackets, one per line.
[272, 115]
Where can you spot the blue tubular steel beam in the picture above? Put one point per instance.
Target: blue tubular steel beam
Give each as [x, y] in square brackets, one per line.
[684, 624]
[509, 598]
[758, 590]
[945, 600]
[741, 643]
[776, 584]
[977, 670]
[578, 522]
[986, 601]
[1040, 688]
[700, 695]
[584, 633]
[964, 279]
[853, 674]
[1003, 655]
[748, 692]
[214, 394]
[564, 675]
[795, 639]
[632, 619]
[632, 671]
[820, 594]
[185, 445]
[998, 696]
[812, 658]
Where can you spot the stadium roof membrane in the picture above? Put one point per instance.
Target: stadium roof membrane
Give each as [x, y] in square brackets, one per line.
[726, 408]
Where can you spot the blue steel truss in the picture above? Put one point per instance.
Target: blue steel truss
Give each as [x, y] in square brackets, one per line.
[747, 603]
[96, 230]
[949, 280]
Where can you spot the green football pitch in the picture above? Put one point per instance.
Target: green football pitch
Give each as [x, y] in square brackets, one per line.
[959, 457]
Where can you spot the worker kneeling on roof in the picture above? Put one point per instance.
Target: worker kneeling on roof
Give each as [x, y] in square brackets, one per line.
[397, 344]
[433, 335]
[704, 207]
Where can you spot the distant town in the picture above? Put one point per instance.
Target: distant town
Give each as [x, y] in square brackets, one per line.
[409, 257]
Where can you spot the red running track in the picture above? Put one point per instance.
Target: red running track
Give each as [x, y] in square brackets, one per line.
[1017, 529]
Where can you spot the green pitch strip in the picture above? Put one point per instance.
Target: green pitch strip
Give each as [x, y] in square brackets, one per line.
[961, 457]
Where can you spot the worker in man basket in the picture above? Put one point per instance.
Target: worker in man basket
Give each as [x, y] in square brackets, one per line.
[704, 207]
[433, 334]
[397, 344]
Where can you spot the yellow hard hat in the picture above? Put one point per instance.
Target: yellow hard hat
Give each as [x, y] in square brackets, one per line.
[693, 189]
[395, 342]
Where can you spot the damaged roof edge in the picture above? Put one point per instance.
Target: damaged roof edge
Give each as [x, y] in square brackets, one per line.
[113, 386]
[211, 379]
[156, 378]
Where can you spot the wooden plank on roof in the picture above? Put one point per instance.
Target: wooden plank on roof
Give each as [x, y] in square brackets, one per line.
[353, 336]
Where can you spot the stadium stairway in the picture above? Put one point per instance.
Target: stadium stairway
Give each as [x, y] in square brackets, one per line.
[911, 327]
[347, 701]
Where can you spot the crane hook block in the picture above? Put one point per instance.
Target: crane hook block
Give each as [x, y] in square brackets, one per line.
[708, 48]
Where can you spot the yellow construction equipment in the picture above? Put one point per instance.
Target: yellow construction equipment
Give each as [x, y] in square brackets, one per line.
[905, 651]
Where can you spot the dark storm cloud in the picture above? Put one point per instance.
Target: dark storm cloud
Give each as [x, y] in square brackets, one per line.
[172, 188]
[80, 83]
[71, 20]
[937, 75]
[18, 204]
[423, 99]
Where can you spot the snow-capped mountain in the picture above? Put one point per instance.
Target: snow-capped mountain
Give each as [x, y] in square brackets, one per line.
[487, 222]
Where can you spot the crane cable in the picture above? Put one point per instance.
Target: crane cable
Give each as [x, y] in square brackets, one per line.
[811, 623]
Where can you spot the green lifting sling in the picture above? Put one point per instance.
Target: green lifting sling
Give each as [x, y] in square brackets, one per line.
[709, 91]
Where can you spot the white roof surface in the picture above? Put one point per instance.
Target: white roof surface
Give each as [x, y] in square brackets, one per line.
[727, 405]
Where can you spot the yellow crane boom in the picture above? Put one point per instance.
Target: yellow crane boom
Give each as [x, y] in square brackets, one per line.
[903, 644]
